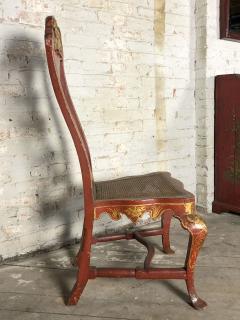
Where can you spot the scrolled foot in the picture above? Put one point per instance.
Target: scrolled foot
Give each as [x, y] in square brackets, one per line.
[198, 303]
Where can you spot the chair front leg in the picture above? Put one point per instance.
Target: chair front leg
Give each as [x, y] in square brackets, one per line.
[166, 221]
[198, 232]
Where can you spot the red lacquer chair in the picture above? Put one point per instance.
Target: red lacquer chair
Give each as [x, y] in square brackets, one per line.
[155, 194]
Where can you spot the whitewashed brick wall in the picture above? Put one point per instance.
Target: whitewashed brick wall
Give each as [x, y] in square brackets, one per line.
[178, 88]
[200, 100]
[130, 68]
[214, 57]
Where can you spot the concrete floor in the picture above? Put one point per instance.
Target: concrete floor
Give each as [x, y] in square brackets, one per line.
[35, 288]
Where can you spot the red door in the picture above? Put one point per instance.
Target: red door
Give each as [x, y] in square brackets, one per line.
[227, 144]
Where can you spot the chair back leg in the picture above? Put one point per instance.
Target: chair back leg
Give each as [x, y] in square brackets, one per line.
[83, 262]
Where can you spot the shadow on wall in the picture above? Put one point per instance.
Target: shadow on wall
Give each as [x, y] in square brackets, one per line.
[53, 203]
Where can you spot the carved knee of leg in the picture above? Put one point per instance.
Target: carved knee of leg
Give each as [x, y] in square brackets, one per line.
[198, 232]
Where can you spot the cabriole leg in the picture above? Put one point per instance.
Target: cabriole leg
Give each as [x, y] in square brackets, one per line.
[166, 221]
[198, 231]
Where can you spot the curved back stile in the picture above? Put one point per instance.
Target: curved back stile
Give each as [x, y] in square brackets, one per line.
[54, 52]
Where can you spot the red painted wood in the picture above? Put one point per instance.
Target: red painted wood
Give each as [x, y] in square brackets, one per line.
[150, 249]
[227, 145]
[181, 208]
[161, 273]
[107, 203]
[151, 273]
[166, 221]
[225, 31]
[129, 236]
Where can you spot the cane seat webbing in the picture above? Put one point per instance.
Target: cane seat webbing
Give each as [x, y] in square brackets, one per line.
[153, 185]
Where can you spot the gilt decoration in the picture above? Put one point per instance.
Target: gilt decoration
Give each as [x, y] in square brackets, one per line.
[198, 230]
[136, 212]
[53, 38]
[57, 39]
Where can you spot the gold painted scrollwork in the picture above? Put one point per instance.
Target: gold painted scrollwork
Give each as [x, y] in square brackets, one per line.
[189, 206]
[198, 221]
[57, 39]
[136, 212]
[115, 214]
[155, 212]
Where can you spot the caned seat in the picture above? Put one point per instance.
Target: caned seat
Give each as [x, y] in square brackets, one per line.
[158, 194]
[154, 185]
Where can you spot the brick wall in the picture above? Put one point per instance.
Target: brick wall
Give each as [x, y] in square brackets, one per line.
[130, 68]
[214, 57]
